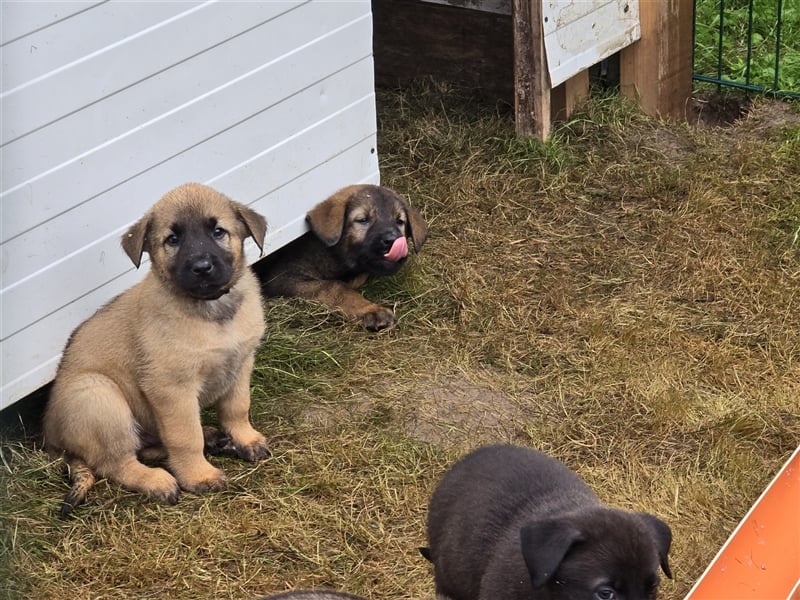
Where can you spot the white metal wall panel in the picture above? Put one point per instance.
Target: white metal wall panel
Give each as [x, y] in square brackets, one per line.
[19, 20]
[581, 33]
[270, 102]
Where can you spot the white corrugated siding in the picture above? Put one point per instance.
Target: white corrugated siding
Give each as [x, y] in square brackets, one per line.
[106, 106]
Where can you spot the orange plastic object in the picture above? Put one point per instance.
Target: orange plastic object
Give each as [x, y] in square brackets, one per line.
[761, 559]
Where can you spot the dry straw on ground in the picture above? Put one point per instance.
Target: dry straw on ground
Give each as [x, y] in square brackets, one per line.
[624, 297]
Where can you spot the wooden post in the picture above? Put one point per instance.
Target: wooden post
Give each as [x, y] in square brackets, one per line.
[657, 69]
[531, 77]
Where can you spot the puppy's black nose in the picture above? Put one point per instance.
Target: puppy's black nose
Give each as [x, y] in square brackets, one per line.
[202, 266]
[387, 242]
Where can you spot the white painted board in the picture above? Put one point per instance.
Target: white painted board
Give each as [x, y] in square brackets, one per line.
[107, 105]
[581, 33]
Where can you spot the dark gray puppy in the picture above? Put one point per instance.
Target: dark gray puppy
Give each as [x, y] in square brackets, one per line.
[312, 595]
[512, 523]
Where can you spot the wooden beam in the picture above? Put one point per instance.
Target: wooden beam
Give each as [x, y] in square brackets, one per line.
[531, 78]
[657, 69]
[565, 98]
[576, 90]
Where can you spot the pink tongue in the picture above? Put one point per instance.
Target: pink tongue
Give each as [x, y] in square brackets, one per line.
[398, 250]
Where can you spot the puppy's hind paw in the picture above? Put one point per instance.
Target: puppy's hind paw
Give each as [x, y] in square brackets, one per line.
[378, 318]
[218, 443]
[81, 479]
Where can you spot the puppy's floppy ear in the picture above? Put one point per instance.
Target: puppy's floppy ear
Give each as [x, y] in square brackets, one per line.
[326, 219]
[135, 240]
[255, 223]
[544, 546]
[662, 536]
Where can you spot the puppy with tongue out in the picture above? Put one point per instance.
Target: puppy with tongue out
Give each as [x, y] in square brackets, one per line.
[359, 231]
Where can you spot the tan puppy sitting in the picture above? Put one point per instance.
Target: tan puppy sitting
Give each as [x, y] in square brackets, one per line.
[135, 375]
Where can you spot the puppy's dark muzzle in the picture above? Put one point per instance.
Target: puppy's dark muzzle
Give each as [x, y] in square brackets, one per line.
[374, 261]
[205, 277]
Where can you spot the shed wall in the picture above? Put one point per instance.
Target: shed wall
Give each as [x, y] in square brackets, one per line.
[105, 106]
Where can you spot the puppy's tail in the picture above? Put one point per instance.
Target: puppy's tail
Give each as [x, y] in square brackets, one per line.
[81, 480]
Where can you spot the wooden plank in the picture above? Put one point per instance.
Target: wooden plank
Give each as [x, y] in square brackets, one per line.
[576, 91]
[568, 96]
[657, 70]
[531, 80]
[761, 559]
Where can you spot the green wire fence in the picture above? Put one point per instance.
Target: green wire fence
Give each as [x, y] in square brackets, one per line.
[751, 45]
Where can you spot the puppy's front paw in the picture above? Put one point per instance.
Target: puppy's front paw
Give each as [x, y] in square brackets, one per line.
[378, 318]
[162, 487]
[208, 479]
[170, 496]
[255, 451]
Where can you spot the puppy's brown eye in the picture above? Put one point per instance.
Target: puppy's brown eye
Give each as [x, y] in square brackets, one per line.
[401, 221]
[171, 240]
[218, 233]
[605, 592]
[362, 220]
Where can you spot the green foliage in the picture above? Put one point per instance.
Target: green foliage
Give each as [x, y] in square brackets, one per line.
[731, 59]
